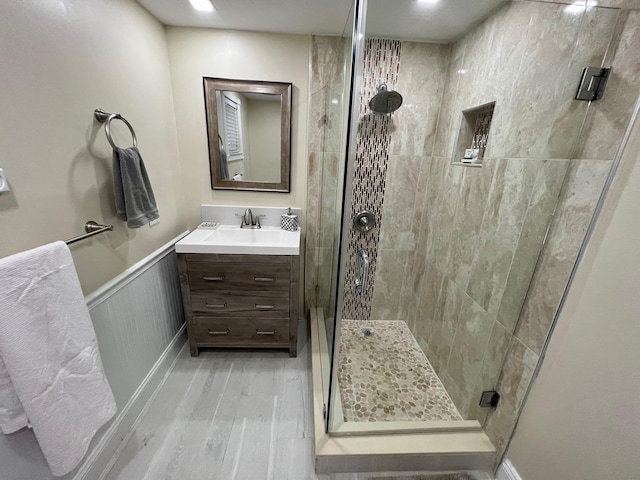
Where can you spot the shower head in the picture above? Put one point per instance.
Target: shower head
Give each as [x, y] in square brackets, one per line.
[385, 101]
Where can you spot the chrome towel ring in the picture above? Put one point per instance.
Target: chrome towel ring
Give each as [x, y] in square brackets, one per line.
[106, 117]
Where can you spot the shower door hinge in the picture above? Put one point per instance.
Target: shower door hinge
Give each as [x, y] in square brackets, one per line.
[593, 83]
[489, 399]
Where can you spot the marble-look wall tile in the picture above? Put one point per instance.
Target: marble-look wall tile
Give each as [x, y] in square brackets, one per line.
[311, 278]
[326, 124]
[444, 324]
[575, 209]
[314, 190]
[468, 350]
[509, 59]
[421, 79]
[542, 99]
[316, 125]
[397, 231]
[489, 371]
[327, 66]
[513, 384]
[328, 201]
[460, 400]
[388, 284]
[472, 203]
[606, 125]
[504, 215]
[543, 203]
[325, 264]
[445, 183]
[411, 284]
[429, 286]
[448, 120]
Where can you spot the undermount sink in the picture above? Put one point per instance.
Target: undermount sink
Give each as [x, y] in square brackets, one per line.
[243, 241]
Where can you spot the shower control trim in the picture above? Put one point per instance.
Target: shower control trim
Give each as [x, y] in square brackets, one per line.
[364, 221]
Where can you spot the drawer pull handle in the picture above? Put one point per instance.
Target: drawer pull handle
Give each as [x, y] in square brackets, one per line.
[213, 279]
[216, 305]
[272, 332]
[214, 332]
[264, 279]
[265, 307]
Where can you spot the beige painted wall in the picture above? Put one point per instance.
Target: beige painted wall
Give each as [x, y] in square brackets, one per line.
[582, 419]
[61, 60]
[197, 53]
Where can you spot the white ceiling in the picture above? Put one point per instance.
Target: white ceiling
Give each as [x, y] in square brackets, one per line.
[441, 22]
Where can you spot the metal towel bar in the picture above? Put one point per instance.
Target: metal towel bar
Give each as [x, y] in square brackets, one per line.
[106, 117]
[92, 228]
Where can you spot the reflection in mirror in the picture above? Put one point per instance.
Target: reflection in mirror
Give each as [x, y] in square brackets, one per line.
[249, 129]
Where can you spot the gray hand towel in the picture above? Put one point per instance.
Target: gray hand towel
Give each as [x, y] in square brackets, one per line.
[135, 202]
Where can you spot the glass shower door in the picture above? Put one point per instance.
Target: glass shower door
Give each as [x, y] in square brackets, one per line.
[463, 180]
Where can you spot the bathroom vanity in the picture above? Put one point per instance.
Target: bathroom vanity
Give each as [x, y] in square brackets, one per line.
[240, 283]
[248, 301]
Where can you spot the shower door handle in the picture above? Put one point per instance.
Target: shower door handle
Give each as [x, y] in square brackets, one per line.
[362, 271]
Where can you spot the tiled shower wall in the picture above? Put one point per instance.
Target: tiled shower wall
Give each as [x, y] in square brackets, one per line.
[483, 228]
[326, 146]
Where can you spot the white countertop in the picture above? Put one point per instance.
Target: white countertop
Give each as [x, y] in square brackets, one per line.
[231, 239]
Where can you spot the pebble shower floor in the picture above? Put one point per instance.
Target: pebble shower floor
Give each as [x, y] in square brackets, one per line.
[385, 376]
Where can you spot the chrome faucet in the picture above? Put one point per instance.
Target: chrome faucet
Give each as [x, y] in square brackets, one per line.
[249, 220]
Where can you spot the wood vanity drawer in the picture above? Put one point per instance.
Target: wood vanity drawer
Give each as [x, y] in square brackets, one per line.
[241, 332]
[224, 303]
[255, 277]
[240, 300]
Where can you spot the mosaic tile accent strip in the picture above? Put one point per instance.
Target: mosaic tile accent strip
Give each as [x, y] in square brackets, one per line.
[381, 65]
[385, 376]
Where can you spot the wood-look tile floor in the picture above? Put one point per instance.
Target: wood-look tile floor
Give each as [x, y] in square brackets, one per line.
[232, 415]
[229, 415]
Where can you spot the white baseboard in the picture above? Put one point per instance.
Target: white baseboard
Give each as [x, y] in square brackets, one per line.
[102, 457]
[507, 471]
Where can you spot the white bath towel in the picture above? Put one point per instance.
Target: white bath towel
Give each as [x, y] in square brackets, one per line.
[51, 373]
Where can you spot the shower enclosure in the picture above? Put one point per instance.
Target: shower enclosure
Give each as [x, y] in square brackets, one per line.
[477, 172]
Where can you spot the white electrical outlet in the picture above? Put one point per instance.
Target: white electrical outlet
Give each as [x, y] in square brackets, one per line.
[4, 184]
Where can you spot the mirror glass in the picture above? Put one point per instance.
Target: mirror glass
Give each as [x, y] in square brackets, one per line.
[249, 130]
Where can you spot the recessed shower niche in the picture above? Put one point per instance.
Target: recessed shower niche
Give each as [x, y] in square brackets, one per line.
[471, 143]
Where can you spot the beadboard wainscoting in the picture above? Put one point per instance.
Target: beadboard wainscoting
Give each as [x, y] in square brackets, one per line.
[139, 323]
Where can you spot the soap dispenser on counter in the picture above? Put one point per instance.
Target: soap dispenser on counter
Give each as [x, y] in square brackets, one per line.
[289, 221]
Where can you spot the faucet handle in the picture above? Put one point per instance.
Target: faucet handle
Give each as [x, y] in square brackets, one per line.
[242, 219]
[257, 219]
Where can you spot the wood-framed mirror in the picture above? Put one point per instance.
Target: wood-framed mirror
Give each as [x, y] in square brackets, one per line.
[249, 132]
